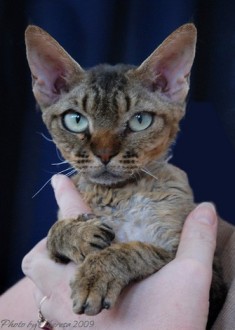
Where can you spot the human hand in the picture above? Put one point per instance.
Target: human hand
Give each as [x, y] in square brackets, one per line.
[176, 297]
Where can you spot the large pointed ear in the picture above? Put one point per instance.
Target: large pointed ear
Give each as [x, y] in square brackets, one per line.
[167, 69]
[53, 70]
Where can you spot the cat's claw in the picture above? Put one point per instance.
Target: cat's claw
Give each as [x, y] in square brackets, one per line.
[90, 308]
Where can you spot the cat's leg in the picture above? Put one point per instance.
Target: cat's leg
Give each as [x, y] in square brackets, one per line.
[74, 239]
[101, 277]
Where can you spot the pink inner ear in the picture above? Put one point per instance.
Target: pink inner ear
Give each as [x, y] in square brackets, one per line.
[47, 70]
[167, 69]
[52, 68]
[172, 75]
[160, 83]
[49, 78]
[60, 84]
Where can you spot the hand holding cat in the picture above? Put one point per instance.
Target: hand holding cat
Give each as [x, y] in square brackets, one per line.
[68, 198]
[184, 303]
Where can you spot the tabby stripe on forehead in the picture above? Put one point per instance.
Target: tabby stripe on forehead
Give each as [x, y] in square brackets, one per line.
[115, 102]
[97, 94]
[128, 102]
[126, 98]
[84, 102]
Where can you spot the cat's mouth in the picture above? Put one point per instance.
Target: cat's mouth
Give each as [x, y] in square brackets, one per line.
[107, 177]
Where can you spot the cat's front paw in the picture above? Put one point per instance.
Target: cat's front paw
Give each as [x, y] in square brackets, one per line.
[97, 285]
[75, 239]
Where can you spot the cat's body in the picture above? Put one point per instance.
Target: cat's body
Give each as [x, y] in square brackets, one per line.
[115, 125]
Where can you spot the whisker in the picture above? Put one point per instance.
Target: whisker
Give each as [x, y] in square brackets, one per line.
[58, 154]
[148, 172]
[61, 163]
[41, 188]
[169, 158]
[51, 140]
[45, 137]
[68, 174]
[65, 170]
[71, 172]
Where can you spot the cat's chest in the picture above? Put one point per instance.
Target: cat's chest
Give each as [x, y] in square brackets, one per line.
[129, 213]
[138, 213]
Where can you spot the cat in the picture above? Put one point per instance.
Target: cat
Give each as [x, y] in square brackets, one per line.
[115, 125]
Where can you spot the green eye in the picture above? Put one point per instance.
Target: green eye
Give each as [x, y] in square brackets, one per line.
[140, 121]
[75, 122]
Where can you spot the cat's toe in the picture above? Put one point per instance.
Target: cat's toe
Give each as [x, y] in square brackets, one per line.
[79, 308]
[90, 306]
[95, 286]
[93, 306]
[79, 304]
[93, 300]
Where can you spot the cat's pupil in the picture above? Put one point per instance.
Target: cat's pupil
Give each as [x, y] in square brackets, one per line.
[77, 118]
[139, 118]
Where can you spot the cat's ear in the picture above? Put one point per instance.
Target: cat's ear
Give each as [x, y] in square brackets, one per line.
[168, 68]
[53, 70]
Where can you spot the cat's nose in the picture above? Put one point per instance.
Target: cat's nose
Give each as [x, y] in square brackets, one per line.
[105, 154]
[105, 145]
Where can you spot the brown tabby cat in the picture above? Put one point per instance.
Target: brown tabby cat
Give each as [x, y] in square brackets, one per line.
[114, 125]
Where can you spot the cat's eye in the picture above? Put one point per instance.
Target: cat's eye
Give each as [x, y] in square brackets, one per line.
[75, 122]
[140, 121]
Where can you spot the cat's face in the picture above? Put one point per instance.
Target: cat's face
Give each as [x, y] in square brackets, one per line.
[111, 123]
[110, 127]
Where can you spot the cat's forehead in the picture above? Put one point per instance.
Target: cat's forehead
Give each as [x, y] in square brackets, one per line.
[108, 78]
[105, 91]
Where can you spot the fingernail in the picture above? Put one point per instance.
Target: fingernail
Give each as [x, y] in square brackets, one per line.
[205, 213]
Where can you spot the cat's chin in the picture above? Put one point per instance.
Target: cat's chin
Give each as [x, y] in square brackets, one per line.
[108, 179]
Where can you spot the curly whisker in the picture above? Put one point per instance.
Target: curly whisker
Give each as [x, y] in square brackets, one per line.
[71, 172]
[60, 163]
[148, 172]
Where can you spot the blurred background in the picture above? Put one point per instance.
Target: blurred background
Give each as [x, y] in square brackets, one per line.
[98, 31]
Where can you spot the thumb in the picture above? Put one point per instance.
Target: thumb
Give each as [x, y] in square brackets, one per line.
[68, 198]
[198, 238]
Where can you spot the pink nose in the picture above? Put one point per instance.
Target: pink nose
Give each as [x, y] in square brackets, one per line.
[105, 145]
[105, 155]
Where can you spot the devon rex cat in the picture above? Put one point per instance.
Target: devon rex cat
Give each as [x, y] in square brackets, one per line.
[114, 125]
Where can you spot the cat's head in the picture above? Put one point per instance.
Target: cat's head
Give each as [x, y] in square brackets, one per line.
[110, 122]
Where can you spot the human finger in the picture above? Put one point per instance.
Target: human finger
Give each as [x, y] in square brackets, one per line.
[68, 198]
[198, 239]
[44, 272]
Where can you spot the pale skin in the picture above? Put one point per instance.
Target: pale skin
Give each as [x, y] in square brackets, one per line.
[176, 297]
